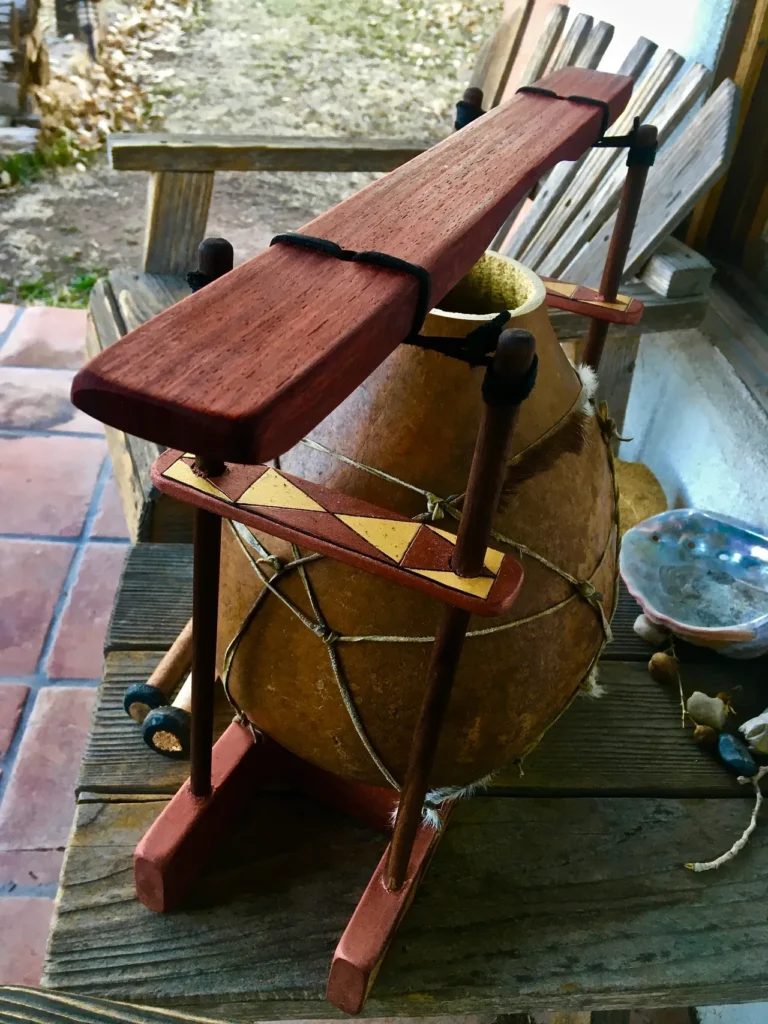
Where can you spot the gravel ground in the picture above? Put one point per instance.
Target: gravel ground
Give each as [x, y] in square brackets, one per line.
[276, 67]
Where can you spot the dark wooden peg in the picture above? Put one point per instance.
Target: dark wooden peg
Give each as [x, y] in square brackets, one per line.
[216, 257]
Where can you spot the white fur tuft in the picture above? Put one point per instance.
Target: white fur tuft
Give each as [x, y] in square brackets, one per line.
[588, 379]
[591, 687]
[447, 794]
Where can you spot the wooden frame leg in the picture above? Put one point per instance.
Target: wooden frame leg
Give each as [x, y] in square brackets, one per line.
[372, 927]
[513, 361]
[205, 613]
[177, 846]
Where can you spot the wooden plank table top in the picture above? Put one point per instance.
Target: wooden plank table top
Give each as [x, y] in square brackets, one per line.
[562, 888]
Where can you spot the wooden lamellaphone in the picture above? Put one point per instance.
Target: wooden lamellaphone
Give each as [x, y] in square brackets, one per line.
[236, 374]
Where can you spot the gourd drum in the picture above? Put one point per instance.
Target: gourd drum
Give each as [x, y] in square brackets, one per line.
[345, 696]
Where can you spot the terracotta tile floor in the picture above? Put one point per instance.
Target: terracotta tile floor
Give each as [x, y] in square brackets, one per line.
[62, 545]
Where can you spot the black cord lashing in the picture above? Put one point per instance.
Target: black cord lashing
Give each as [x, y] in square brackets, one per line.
[638, 155]
[376, 259]
[476, 348]
[537, 90]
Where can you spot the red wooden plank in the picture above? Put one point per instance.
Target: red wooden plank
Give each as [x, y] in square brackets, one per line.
[374, 539]
[244, 368]
[578, 298]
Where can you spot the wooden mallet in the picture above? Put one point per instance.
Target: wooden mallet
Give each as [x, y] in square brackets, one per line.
[166, 730]
[142, 698]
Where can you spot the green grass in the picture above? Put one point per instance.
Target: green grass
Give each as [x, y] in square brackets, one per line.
[50, 290]
[58, 152]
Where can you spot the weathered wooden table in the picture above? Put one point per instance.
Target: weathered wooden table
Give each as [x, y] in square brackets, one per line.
[563, 888]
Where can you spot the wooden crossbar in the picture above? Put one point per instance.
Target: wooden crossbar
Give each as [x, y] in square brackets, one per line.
[246, 367]
[415, 555]
[145, 152]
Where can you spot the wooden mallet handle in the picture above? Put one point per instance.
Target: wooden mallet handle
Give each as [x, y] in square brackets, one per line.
[166, 729]
[141, 698]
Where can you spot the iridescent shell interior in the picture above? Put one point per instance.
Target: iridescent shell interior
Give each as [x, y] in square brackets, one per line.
[702, 575]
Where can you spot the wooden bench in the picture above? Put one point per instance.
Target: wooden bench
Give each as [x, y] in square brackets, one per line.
[561, 888]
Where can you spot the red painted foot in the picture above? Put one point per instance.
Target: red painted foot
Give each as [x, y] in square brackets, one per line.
[177, 846]
[371, 928]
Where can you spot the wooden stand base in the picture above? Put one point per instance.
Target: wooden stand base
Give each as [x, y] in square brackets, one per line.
[179, 844]
[372, 927]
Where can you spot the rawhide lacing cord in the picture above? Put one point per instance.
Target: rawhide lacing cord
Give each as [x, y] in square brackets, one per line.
[741, 842]
[437, 508]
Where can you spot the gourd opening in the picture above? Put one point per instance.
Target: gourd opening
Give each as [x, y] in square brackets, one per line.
[494, 283]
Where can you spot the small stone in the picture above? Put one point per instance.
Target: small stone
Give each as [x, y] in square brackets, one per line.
[650, 632]
[755, 732]
[705, 736]
[736, 755]
[706, 710]
[663, 668]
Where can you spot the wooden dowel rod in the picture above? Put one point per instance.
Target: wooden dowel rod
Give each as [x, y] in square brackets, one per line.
[514, 355]
[215, 258]
[205, 610]
[183, 699]
[615, 261]
[174, 663]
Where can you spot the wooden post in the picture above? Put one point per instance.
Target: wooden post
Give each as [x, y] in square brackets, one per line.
[631, 196]
[177, 214]
[215, 258]
[514, 355]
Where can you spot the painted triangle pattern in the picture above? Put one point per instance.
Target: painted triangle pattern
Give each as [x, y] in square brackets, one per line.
[354, 532]
[580, 299]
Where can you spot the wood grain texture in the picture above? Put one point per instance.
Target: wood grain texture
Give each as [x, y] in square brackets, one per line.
[243, 386]
[589, 177]
[373, 926]
[659, 313]
[568, 903]
[746, 76]
[675, 269]
[35, 1006]
[628, 742]
[545, 45]
[203, 153]
[586, 302]
[598, 42]
[547, 203]
[596, 196]
[154, 600]
[572, 43]
[122, 301]
[491, 73]
[683, 172]
[596, 745]
[177, 214]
